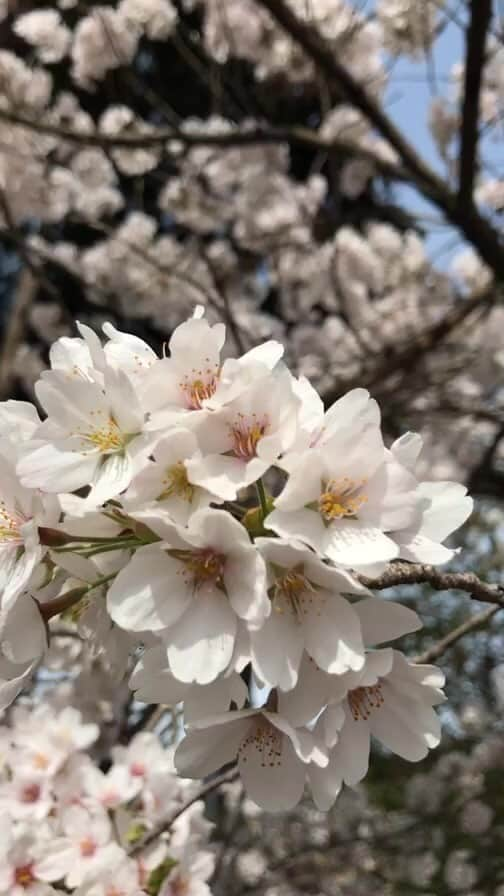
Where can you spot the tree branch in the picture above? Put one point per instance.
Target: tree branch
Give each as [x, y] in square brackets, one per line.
[224, 778]
[417, 574]
[466, 218]
[470, 625]
[407, 354]
[258, 135]
[476, 34]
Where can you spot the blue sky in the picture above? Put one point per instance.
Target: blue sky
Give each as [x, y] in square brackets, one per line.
[407, 101]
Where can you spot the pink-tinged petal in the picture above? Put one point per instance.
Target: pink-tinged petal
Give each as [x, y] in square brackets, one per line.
[200, 645]
[384, 620]
[148, 594]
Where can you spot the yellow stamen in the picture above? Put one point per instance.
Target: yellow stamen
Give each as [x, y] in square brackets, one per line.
[202, 567]
[341, 498]
[246, 434]
[294, 592]
[200, 386]
[176, 483]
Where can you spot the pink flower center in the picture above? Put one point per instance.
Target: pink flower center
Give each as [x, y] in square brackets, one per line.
[246, 433]
[87, 847]
[199, 386]
[363, 701]
[30, 793]
[23, 876]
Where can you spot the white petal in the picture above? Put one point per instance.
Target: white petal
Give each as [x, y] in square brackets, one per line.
[354, 544]
[305, 525]
[148, 594]
[203, 751]
[325, 783]
[272, 776]
[113, 477]
[352, 749]
[277, 649]
[55, 469]
[245, 582]
[333, 635]
[384, 620]
[201, 644]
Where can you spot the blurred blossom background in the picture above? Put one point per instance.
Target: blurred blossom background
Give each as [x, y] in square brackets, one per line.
[328, 173]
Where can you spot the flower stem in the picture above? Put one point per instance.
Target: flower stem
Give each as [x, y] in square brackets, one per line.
[67, 600]
[262, 499]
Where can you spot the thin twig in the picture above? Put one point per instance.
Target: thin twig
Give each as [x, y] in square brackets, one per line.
[225, 778]
[470, 625]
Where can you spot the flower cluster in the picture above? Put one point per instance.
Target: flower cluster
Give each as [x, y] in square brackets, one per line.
[130, 508]
[68, 826]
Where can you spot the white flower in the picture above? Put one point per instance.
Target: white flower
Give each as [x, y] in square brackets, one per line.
[112, 788]
[18, 420]
[44, 29]
[19, 850]
[380, 621]
[119, 880]
[194, 585]
[183, 382]
[390, 699]
[27, 797]
[83, 851]
[308, 612]
[446, 506]
[153, 682]
[271, 755]
[157, 18]
[248, 435]
[344, 494]
[165, 478]
[189, 876]
[23, 640]
[22, 511]
[92, 436]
